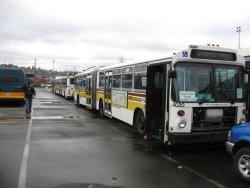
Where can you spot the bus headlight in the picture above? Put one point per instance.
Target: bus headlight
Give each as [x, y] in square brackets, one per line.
[182, 124]
[243, 120]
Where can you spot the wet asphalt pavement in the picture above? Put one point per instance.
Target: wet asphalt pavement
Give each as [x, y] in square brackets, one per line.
[64, 146]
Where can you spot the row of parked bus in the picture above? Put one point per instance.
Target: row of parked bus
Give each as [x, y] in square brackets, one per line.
[64, 86]
[194, 95]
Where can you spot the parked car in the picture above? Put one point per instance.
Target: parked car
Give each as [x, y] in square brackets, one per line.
[238, 145]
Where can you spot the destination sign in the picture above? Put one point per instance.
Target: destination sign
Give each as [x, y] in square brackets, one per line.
[213, 55]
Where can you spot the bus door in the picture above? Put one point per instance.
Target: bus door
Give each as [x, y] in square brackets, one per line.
[88, 91]
[107, 93]
[247, 86]
[156, 100]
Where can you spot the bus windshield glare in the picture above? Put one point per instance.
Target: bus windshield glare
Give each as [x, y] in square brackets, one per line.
[201, 83]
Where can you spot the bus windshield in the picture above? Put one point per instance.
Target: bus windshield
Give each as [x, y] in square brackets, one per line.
[201, 83]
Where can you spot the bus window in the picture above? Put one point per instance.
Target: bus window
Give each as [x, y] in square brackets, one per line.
[72, 81]
[64, 81]
[127, 81]
[158, 81]
[127, 77]
[116, 81]
[140, 81]
[84, 82]
[101, 80]
[77, 81]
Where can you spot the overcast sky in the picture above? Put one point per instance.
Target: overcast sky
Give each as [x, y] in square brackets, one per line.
[78, 34]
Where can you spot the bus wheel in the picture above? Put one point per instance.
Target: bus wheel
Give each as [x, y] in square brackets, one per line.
[140, 123]
[77, 100]
[101, 110]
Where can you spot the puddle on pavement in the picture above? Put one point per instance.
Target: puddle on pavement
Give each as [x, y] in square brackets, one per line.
[52, 102]
[56, 117]
[123, 138]
[83, 185]
[12, 118]
[18, 117]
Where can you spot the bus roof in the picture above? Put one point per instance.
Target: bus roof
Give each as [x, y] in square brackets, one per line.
[180, 55]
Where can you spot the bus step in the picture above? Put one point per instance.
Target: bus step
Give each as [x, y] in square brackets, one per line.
[108, 115]
[157, 137]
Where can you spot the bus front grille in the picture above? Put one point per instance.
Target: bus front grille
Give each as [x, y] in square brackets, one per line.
[213, 118]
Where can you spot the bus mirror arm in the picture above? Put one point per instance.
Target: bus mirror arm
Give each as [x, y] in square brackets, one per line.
[172, 74]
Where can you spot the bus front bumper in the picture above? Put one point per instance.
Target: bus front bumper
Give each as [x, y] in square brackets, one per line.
[197, 137]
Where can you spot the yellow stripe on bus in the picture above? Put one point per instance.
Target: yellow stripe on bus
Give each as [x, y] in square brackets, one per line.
[12, 95]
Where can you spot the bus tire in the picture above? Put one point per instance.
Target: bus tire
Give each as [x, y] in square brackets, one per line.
[101, 109]
[140, 123]
[77, 100]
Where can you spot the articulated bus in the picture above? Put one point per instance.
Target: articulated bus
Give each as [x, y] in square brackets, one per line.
[64, 86]
[194, 95]
[12, 79]
[85, 88]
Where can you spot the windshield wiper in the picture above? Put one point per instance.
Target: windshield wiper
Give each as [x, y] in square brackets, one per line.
[227, 90]
[204, 98]
[227, 93]
[209, 86]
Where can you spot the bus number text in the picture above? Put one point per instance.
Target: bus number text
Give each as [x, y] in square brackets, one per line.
[178, 104]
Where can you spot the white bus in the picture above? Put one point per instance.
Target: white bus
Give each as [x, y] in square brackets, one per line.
[64, 86]
[194, 95]
[85, 88]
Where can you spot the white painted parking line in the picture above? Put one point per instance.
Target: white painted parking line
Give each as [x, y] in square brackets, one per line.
[24, 165]
[215, 183]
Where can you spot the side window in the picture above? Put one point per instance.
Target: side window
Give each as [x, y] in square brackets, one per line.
[64, 81]
[83, 82]
[158, 83]
[77, 81]
[116, 82]
[127, 77]
[101, 80]
[140, 80]
[72, 81]
[88, 83]
[127, 81]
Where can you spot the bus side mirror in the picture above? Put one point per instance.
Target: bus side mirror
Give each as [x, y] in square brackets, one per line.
[172, 74]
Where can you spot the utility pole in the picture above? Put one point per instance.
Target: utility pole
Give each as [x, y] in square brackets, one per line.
[35, 67]
[238, 29]
[53, 68]
[53, 64]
